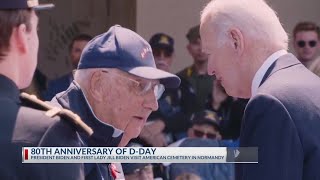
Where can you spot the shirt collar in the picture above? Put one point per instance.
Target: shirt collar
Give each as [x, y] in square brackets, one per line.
[74, 99]
[263, 69]
[117, 132]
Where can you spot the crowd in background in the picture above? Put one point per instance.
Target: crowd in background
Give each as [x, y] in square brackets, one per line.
[121, 92]
[198, 109]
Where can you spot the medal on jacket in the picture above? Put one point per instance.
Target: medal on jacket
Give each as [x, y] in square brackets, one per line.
[114, 171]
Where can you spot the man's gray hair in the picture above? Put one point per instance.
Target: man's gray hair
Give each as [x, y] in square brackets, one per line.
[254, 18]
[83, 76]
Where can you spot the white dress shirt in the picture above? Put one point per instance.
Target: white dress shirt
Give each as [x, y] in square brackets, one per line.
[263, 69]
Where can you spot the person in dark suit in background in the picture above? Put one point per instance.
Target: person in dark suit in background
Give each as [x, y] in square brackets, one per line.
[62, 83]
[247, 48]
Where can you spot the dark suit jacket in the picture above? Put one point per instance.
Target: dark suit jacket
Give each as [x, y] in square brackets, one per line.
[283, 121]
[26, 126]
[207, 171]
[58, 85]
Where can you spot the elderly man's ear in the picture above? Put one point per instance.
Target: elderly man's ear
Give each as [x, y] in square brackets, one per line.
[236, 40]
[96, 89]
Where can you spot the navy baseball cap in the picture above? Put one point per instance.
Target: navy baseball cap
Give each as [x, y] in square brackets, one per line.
[193, 33]
[24, 4]
[206, 117]
[162, 41]
[124, 49]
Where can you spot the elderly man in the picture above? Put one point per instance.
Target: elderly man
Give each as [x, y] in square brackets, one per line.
[247, 46]
[116, 87]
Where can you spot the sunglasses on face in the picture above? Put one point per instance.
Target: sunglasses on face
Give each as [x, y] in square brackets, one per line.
[143, 87]
[200, 134]
[158, 52]
[302, 44]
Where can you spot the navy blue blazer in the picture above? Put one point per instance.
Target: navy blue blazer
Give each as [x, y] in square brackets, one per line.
[283, 121]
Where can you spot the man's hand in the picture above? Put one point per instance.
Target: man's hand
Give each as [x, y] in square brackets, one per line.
[218, 95]
[152, 133]
[155, 127]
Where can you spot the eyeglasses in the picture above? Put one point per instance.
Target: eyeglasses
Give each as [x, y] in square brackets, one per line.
[302, 44]
[143, 87]
[200, 134]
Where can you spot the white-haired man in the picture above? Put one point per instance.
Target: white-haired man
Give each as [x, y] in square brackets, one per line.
[247, 45]
[115, 88]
